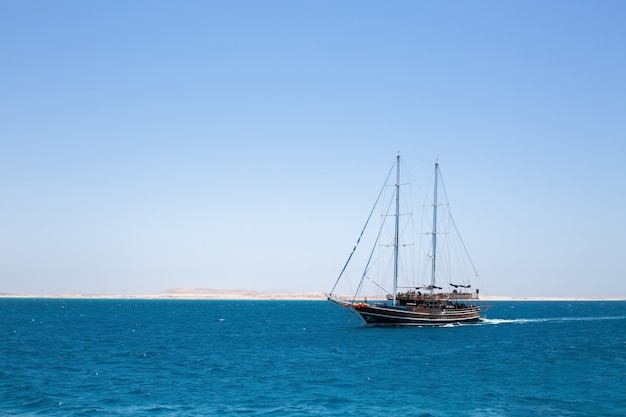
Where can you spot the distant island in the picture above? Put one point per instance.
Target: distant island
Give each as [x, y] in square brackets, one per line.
[225, 294]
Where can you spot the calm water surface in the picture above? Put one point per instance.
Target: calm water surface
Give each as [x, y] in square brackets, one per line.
[277, 358]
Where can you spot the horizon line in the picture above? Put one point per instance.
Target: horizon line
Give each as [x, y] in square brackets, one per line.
[230, 294]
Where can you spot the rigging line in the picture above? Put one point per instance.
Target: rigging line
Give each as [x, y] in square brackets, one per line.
[463, 244]
[369, 260]
[364, 227]
[378, 285]
[353, 313]
[358, 288]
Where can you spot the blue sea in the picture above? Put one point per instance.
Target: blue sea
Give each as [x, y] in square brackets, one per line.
[65, 357]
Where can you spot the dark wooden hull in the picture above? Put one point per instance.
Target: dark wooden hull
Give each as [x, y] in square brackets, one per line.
[383, 315]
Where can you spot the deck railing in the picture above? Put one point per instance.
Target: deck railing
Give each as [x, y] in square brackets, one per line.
[411, 296]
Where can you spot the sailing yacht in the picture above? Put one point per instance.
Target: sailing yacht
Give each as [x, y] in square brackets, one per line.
[415, 304]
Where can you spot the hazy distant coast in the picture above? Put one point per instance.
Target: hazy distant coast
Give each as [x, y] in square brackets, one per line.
[189, 294]
[517, 298]
[223, 294]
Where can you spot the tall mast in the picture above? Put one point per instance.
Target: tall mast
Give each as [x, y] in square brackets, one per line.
[397, 228]
[434, 243]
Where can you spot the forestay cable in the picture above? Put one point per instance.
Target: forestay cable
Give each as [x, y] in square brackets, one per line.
[363, 231]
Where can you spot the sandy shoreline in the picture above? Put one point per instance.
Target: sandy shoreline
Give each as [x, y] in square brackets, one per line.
[187, 294]
[517, 298]
[220, 294]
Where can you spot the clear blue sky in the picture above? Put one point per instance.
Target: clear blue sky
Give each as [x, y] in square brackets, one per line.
[148, 145]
